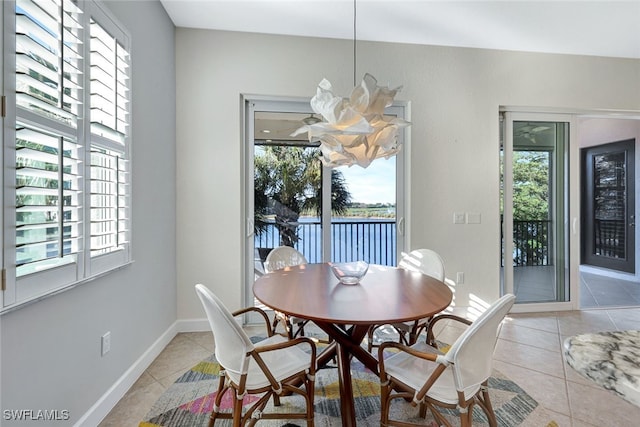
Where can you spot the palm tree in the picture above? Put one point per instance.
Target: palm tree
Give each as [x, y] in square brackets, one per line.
[288, 182]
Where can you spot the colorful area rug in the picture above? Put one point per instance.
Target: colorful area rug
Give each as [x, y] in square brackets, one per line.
[189, 401]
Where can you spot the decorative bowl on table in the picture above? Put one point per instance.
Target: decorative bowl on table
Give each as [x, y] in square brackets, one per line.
[349, 273]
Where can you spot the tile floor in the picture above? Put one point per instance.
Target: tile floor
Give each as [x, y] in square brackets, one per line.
[536, 284]
[529, 351]
[602, 291]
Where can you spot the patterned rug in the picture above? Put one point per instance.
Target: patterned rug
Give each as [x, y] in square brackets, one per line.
[189, 401]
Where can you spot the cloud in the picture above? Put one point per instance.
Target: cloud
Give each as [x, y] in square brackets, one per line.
[375, 184]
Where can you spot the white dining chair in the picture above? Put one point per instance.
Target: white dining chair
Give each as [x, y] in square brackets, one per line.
[279, 258]
[268, 369]
[428, 262]
[457, 379]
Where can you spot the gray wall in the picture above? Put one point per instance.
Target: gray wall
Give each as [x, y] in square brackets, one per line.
[51, 349]
[454, 95]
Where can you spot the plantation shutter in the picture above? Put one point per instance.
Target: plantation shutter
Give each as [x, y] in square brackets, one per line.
[47, 158]
[66, 147]
[48, 59]
[47, 200]
[109, 117]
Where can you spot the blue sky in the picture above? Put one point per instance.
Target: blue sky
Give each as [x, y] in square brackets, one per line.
[375, 184]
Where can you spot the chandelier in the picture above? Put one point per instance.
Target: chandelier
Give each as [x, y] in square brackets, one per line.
[355, 130]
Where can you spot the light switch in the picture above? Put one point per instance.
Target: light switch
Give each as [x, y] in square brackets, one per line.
[458, 218]
[473, 218]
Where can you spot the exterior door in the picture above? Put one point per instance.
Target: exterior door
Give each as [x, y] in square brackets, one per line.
[608, 206]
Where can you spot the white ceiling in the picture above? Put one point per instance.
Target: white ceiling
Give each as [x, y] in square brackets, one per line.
[601, 28]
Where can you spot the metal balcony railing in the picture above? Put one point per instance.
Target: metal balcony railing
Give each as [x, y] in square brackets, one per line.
[373, 240]
[531, 243]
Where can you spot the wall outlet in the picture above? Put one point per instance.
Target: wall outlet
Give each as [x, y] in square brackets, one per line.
[460, 278]
[459, 218]
[106, 343]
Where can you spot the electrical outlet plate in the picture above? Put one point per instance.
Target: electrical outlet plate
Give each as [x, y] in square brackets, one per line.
[460, 278]
[106, 343]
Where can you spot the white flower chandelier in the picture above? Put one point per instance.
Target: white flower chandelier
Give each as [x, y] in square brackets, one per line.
[354, 130]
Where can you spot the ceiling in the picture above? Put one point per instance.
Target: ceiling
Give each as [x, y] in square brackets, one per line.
[600, 28]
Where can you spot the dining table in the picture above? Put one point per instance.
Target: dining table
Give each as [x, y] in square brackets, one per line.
[345, 312]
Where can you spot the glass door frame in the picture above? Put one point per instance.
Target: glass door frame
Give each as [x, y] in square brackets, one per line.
[572, 210]
[251, 104]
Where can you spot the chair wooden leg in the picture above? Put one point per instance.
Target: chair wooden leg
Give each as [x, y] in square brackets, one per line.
[485, 403]
[309, 388]
[385, 391]
[441, 420]
[237, 411]
[466, 409]
[423, 410]
[222, 389]
[370, 334]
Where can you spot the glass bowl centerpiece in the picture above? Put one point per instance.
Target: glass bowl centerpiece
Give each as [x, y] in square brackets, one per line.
[349, 273]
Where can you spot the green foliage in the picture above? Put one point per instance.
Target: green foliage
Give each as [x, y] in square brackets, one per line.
[530, 185]
[287, 182]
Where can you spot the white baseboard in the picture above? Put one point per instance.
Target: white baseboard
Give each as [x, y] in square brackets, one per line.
[106, 403]
[608, 273]
[193, 325]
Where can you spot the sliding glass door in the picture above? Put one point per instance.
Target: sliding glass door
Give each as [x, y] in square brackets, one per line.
[535, 207]
[342, 214]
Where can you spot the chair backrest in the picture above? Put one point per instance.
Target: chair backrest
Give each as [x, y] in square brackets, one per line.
[425, 261]
[283, 256]
[472, 353]
[231, 342]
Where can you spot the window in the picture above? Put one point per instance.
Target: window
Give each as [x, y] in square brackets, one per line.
[66, 147]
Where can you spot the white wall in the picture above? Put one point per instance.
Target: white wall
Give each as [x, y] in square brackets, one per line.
[51, 349]
[454, 95]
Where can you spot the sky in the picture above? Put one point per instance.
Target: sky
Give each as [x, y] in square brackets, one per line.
[375, 184]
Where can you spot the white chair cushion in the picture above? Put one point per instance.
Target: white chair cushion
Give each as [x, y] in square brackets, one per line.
[415, 372]
[281, 363]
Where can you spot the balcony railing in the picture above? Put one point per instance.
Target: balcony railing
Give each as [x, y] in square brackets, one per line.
[373, 240]
[531, 243]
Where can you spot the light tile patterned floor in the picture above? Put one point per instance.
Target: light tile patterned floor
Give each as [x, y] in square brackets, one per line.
[529, 351]
[536, 284]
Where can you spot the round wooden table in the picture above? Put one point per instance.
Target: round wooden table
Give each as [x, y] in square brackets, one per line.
[346, 312]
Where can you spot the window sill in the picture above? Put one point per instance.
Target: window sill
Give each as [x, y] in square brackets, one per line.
[21, 304]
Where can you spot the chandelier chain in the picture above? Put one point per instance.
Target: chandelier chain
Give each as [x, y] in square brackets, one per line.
[354, 42]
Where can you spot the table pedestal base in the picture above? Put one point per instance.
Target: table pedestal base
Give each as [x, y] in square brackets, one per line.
[346, 344]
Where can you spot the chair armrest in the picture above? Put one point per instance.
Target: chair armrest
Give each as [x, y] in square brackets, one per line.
[285, 344]
[404, 348]
[419, 394]
[431, 340]
[291, 343]
[261, 312]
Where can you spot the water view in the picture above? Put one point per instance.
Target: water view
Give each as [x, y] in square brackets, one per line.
[352, 239]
